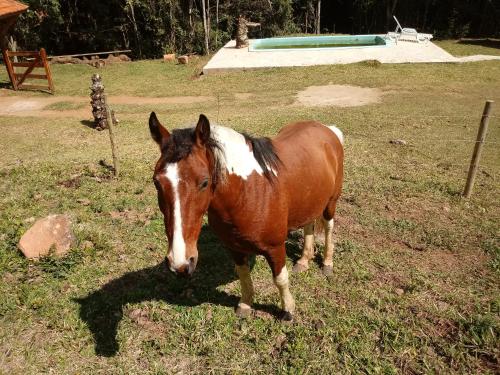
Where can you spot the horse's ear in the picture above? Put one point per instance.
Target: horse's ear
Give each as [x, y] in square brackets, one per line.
[202, 131]
[158, 132]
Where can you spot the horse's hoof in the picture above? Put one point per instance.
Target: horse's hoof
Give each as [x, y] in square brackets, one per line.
[243, 311]
[298, 268]
[286, 316]
[328, 271]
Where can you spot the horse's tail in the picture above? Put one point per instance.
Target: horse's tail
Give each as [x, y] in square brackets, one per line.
[337, 132]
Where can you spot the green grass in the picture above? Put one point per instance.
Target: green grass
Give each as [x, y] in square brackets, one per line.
[470, 47]
[415, 286]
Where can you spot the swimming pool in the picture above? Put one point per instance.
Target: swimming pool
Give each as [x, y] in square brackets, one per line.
[327, 42]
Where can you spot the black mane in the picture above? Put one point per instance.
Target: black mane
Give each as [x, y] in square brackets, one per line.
[264, 153]
[179, 145]
[181, 142]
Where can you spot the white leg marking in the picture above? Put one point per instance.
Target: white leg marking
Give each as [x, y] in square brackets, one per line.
[247, 291]
[178, 245]
[328, 257]
[281, 281]
[308, 251]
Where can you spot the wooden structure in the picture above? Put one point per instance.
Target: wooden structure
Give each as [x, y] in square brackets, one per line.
[32, 60]
[9, 11]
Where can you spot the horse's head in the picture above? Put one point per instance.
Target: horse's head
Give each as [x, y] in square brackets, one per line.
[184, 178]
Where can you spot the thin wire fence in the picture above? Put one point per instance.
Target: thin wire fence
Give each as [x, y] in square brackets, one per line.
[403, 137]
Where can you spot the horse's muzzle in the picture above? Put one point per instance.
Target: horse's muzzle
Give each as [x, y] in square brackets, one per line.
[184, 270]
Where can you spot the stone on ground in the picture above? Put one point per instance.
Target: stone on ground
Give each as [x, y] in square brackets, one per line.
[53, 231]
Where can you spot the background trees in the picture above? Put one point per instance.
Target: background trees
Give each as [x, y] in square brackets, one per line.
[153, 27]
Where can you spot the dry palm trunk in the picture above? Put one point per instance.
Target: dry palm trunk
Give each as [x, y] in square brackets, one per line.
[99, 105]
[242, 32]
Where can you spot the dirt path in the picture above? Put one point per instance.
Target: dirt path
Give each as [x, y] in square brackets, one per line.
[339, 96]
[34, 106]
[329, 95]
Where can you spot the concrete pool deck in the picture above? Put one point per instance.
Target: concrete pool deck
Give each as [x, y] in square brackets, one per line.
[229, 58]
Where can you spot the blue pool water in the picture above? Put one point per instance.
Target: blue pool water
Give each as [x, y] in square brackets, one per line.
[318, 42]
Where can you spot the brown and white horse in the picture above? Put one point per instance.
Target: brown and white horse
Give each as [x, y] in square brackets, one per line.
[255, 191]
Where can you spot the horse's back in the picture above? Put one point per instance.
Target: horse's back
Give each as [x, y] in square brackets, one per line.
[307, 142]
[312, 155]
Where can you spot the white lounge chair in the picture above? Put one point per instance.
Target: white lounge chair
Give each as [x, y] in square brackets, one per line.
[408, 34]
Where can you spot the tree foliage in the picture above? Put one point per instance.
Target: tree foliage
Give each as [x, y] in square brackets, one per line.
[152, 27]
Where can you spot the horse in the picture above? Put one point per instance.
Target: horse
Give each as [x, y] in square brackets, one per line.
[255, 190]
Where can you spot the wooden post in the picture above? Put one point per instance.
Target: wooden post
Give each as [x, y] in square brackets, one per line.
[10, 68]
[109, 119]
[48, 73]
[476, 156]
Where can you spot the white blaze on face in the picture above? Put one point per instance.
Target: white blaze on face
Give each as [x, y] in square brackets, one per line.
[238, 157]
[178, 245]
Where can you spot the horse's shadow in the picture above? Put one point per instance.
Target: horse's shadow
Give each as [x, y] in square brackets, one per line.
[102, 310]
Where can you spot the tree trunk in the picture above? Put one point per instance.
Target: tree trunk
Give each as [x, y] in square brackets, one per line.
[98, 104]
[204, 16]
[318, 18]
[134, 23]
[216, 23]
[307, 20]
[209, 26]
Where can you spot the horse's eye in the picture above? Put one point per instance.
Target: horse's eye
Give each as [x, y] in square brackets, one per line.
[204, 184]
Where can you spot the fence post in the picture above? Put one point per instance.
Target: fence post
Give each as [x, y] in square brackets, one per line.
[109, 120]
[478, 147]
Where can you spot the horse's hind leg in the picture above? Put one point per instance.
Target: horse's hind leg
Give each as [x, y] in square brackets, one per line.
[328, 256]
[308, 251]
[328, 221]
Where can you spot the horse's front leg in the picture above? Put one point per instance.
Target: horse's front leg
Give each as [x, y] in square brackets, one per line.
[276, 260]
[247, 292]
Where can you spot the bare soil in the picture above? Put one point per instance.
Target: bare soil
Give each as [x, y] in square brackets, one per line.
[339, 96]
[33, 106]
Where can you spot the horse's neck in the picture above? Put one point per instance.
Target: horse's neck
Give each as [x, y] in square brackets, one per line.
[235, 156]
[237, 163]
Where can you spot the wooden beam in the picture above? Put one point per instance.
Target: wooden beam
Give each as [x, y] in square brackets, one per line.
[34, 76]
[43, 56]
[28, 71]
[10, 69]
[37, 64]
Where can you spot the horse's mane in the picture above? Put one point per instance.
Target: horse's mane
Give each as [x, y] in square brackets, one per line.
[264, 153]
[181, 142]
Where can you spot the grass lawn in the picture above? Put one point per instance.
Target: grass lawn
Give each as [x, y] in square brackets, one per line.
[416, 271]
[467, 47]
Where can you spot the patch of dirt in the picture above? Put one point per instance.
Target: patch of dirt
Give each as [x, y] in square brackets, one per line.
[338, 96]
[133, 216]
[34, 106]
[243, 95]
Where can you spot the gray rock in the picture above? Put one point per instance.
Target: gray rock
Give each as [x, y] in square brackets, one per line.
[53, 231]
